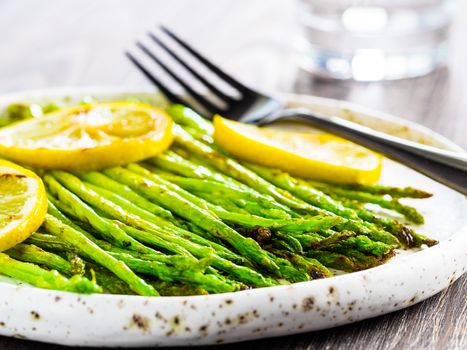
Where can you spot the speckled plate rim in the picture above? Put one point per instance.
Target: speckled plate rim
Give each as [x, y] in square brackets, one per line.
[110, 320]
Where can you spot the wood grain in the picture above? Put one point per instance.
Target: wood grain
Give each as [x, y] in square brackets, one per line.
[58, 43]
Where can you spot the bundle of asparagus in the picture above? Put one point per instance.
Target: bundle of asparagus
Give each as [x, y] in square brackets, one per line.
[194, 220]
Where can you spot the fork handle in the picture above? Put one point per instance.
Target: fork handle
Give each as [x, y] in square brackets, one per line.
[446, 167]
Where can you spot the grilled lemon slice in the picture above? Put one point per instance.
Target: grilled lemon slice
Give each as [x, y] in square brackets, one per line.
[319, 156]
[23, 204]
[88, 137]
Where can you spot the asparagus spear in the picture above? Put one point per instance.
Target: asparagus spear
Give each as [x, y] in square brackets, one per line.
[312, 196]
[93, 252]
[312, 266]
[335, 260]
[100, 180]
[310, 224]
[362, 244]
[237, 194]
[96, 199]
[300, 225]
[174, 163]
[404, 233]
[48, 279]
[308, 240]
[317, 242]
[56, 207]
[419, 239]
[113, 285]
[394, 192]
[198, 135]
[54, 243]
[250, 207]
[104, 182]
[218, 200]
[130, 208]
[151, 239]
[294, 274]
[188, 117]
[363, 259]
[33, 254]
[242, 273]
[190, 274]
[85, 213]
[48, 242]
[312, 241]
[319, 199]
[236, 170]
[292, 243]
[409, 213]
[350, 260]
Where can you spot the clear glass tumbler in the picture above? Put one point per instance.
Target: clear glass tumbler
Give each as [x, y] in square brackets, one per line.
[372, 40]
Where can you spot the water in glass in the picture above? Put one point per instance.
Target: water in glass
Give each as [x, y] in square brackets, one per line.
[371, 40]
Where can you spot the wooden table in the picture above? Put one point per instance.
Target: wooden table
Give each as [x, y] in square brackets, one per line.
[57, 43]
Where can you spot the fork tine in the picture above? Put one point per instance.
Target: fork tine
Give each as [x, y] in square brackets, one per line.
[199, 98]
[165, 90]
[233, 82]
[198, 76]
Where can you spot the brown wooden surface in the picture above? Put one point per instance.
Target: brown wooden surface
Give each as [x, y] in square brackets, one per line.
[58, 43]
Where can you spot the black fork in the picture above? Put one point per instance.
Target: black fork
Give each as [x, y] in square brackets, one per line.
[248, 105]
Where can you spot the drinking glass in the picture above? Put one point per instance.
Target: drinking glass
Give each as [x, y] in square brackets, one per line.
[372, 40]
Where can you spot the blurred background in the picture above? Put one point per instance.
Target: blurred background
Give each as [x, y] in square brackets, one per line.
[274, 45]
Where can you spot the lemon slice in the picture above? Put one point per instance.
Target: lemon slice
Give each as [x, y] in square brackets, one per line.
[23, 204]
[319, 156]
[88, 137]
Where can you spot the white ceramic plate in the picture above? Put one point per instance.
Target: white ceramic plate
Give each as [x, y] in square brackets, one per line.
[110, 320]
